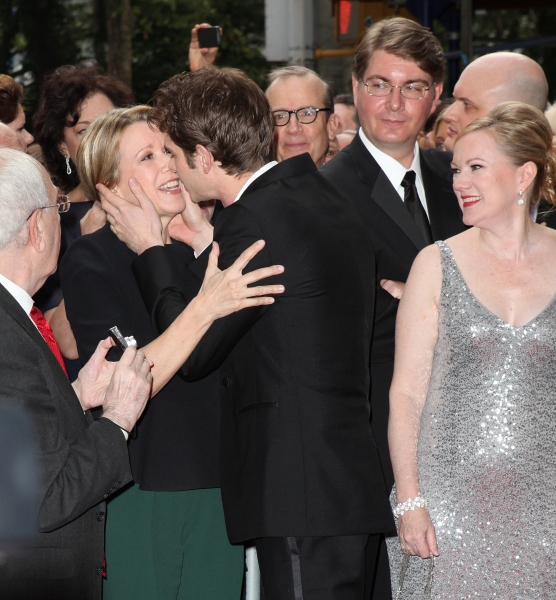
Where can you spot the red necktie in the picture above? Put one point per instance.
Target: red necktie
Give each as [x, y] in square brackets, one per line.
[46, 331]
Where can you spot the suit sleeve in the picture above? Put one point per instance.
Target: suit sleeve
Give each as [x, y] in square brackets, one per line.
[158, 282]
[77, 471]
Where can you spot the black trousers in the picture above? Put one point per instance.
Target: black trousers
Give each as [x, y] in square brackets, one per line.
[317, 568]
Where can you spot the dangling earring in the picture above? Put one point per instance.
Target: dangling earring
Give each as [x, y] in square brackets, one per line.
[521, 201]
[68, 166]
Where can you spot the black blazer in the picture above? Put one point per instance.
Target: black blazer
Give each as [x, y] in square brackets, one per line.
[177, 442]
[395, 237]
[80, 464]
[298, 455]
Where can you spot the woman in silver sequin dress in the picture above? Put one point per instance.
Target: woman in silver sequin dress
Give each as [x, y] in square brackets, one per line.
[473, 400]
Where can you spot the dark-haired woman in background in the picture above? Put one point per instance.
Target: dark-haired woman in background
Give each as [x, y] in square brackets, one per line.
[71, 98]
[11, 110]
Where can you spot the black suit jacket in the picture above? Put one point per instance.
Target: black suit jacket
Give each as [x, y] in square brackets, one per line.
[80, 464]
[177, 441]
[395, 238]
[298, 455]
[396, 241]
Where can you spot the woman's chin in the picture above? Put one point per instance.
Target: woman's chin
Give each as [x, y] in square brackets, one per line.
[169, 207]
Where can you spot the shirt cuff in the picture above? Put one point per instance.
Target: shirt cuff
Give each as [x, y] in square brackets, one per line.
[197, 254]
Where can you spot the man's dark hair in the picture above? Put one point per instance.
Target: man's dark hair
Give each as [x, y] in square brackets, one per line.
[403, 38]
[220, 109]
[344, 99]
[62, 95]
[11, 94]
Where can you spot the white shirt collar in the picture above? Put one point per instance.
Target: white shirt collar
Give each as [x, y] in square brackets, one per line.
[19, 294]
[254, 176]
[394, 170]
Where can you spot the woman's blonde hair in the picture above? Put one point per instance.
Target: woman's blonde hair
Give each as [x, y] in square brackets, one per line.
[523, 134]
[98, 155]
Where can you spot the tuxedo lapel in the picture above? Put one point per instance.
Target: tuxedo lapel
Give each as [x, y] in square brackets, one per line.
[383, 192]
[12, 307]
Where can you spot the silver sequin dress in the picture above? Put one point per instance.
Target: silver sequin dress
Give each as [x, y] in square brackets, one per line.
[487, 453]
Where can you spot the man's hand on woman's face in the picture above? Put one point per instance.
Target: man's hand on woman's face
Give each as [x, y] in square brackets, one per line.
[136, 224]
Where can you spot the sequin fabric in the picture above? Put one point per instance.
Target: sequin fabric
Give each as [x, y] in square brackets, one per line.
[486, 453]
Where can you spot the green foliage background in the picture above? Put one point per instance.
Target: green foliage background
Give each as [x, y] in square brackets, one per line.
[36, 36]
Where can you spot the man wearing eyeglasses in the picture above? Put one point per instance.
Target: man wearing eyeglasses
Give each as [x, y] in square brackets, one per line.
[303, 109]
[403, 194]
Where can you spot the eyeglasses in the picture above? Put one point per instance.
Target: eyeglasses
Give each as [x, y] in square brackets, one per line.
[411, 91]
[305, 115]
[62, 205]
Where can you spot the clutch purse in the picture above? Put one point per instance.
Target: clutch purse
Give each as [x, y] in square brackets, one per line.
[428, 584]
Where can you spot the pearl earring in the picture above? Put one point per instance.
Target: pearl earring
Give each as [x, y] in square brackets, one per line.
[521, 201]
[68, 166]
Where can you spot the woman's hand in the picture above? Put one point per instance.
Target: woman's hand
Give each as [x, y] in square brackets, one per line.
[190, 226]
[416, 533]
[225, 292]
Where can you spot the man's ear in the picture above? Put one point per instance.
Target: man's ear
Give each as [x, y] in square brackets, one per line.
[204, 159]
[354, 89]
[37, 228]
[331, 126]
[438, 87]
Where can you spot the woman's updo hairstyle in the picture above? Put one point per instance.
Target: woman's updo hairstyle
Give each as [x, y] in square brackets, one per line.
[523, 134]
[98, 154]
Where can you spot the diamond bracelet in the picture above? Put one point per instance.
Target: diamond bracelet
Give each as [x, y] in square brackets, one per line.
[411, 504]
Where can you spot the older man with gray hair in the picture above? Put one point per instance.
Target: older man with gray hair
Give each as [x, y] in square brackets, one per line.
[80, 462]
[302, 105]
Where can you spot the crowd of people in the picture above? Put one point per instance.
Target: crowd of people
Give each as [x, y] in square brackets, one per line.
[344, 312]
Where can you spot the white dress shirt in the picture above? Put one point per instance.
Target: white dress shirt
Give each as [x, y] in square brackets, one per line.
[254, 176]
[395, 171]
[19, 295]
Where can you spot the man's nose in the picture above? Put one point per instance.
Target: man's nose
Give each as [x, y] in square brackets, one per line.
[293, 126]
[395, 100]
[451, 113]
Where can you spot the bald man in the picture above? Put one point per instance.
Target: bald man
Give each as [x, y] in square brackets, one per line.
[9, 138]
[489, 80]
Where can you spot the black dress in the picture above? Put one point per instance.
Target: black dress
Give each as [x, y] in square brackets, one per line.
[176, 442]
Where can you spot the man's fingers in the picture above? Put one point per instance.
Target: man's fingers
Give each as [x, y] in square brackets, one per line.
[109, 201]
[263, 273]
[142, 199]
[128, 356]
[102, 349]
